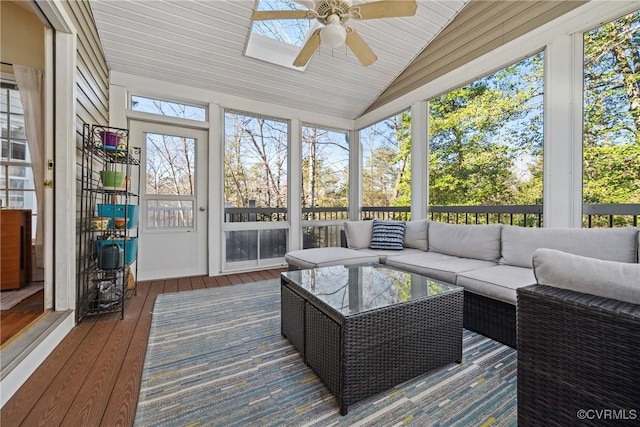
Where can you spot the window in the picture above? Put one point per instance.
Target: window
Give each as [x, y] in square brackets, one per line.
[17, 186]
[486, 146]
[255, 187]
[170, 181]
[168, 108]
[325, 185]
[386, 168]
[611, 139]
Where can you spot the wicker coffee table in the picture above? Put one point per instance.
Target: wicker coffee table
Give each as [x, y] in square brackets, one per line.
[364, 329]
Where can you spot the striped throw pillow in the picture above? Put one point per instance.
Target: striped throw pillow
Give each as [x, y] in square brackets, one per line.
[387, 235]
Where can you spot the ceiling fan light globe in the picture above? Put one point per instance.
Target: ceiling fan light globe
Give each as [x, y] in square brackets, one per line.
[333, 35]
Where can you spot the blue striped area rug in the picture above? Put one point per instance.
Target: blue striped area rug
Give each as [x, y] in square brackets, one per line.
[216, 357]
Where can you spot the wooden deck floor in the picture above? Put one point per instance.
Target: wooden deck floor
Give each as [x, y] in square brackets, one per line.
[93, 377]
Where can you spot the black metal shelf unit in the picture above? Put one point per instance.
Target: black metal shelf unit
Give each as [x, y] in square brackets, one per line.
[108, 221]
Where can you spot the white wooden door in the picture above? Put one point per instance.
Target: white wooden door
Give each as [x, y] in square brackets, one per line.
[173, 205]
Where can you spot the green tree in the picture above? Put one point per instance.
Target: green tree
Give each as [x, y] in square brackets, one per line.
[325, 166]
[612, 174]
[481, 132]
[611, 153]
[386, 179]
[612, 82]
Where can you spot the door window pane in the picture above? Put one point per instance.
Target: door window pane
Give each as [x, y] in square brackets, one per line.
[170, 181]
[169, 213]
[170, 165]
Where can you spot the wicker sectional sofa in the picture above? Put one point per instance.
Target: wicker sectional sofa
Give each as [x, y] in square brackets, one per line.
[578, 343]
[573, 293]
[491, 262]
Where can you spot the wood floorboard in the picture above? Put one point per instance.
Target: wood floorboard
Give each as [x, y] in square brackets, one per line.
[170, 286]
[210, 282]
[246, 278]
[21, 404]
[256, 276]
[223, 281]
[184, 284]
[121, 407]
[52, 407]
[234, 279]
[93, 377]
[197, 282]
[17, 318]
[89, 405]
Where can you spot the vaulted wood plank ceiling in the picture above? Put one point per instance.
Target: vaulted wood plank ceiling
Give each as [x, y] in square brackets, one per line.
[201, 44]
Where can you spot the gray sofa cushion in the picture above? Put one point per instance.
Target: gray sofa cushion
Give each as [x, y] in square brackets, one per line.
[466, 241]
[436, 265]
[325, 257]
[499, 282]
[384, 254]
[358, 233]
[609, 279]
[612, 244]
[415, 234]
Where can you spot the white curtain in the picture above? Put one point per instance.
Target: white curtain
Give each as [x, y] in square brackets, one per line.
[29, 82]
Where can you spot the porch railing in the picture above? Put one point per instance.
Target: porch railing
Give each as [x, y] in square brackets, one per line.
[521, 215]
[610, 215]
[594, 215]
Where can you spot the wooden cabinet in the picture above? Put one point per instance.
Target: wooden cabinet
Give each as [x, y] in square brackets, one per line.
[15, 249]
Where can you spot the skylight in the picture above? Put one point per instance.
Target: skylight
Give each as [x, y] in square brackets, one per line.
[279, 41]
[289, 31]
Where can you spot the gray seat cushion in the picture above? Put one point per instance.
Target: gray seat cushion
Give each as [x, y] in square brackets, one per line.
[384, 254]
[499, 282]
[436, 265]
[325, 257]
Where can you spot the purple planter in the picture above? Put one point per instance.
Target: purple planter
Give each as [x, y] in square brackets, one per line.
[110, 139]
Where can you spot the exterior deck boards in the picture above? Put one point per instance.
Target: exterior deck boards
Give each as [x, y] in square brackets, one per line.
[93, 376]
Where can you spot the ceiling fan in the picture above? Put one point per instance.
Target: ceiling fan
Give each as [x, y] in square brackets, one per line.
[333, 15]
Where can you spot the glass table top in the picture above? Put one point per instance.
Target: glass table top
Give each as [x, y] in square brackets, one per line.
[354, 289]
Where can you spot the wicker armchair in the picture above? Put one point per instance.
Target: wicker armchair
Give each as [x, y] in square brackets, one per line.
[577, 359]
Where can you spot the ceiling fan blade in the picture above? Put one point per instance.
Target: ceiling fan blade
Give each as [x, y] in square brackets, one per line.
[360, 48]
[265, 15]
[308, 49]
[386, 9]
